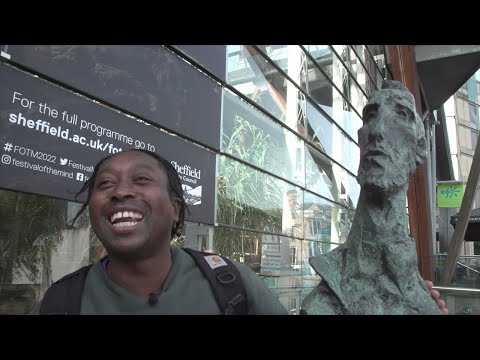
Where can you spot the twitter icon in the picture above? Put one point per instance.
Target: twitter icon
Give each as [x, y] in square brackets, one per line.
[63, 161]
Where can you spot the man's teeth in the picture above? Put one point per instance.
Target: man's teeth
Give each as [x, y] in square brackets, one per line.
[126, 215]
[125, 223]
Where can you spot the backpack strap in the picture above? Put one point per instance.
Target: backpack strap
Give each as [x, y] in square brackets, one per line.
[225, 280]
[64, 296]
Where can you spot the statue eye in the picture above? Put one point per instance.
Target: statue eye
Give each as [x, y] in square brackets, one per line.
[369, 116]
[370, 112]
[404, 113]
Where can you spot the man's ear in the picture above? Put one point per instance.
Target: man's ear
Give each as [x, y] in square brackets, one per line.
[177, 205]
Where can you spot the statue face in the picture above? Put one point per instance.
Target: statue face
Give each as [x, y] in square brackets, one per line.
[387, 140]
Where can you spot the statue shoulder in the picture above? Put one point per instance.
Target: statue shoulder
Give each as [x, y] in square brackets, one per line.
[322, 301]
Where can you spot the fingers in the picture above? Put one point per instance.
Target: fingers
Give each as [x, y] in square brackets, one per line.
[442, 307]
[429, 284]
[435, 294]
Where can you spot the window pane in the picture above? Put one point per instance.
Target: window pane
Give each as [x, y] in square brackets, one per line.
[359, 70]
[290, 58]
[251, 136]
[477, 100]
[340, 110]
[325, 221]
[310, 278]
[467, 139]
[276, 259]
[326, 178]
[465, 165]
[474, 139]
[38, 247]
[328, 138]
[463, 112]
[357, 98]
[253, 76]
[342, 51]
[375, 78]
[251, 199]
[473, 114]
[321, 89]
[379, 58]
[323, 57]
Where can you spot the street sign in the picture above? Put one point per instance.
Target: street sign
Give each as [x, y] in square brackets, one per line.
[450, 194]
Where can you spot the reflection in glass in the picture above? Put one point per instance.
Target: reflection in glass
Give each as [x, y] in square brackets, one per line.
[373, 79]
[340, 110]
[251, 136]
[196, 236]
[465, 166]
[319, 174]
[328, 138]
[323, 57]
[251, 199]
[256, 78]
[358, 69]
[348, 185]
[467, 139]
[310, 279]
[473, 114]
[371, 67]
[355, 94]
[290, 58]
[342, 51]
[477, 99]
[38, 247]
[325, 221]
[306, 74]
[319, 86]
[326, 178]
[332, 66]
[357, 97]
[276, 259]
[377, 52]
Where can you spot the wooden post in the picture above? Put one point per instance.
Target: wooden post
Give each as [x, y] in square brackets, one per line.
[463, 218]
[419, 209]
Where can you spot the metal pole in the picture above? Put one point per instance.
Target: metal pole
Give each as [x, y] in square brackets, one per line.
[463, 218]
[428, 126]
[431, 180]
[433, 122]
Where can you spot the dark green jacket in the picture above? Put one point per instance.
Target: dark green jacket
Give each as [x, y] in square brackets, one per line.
[186, 291]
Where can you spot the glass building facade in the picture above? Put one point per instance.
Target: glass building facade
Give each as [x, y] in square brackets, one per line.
[461, 112]
[285, 163]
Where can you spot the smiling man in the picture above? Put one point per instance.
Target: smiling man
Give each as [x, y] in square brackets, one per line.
[375, 271]
[136, 206]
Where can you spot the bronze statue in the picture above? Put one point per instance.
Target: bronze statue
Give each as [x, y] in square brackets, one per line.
[375, 271]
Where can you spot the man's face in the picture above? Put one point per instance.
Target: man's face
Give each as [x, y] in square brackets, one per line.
[387, 140]
[130, 209]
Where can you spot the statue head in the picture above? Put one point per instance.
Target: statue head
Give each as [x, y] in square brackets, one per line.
[392, 138]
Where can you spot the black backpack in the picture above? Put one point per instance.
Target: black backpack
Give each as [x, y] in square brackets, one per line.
[65, 295]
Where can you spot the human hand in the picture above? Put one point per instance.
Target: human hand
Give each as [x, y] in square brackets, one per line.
[436, 296]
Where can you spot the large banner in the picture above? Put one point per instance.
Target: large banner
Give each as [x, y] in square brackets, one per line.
[148, 81]
[212, 57]
[50, 140]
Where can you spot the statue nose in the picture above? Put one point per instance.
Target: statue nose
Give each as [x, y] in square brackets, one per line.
[377, 132]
